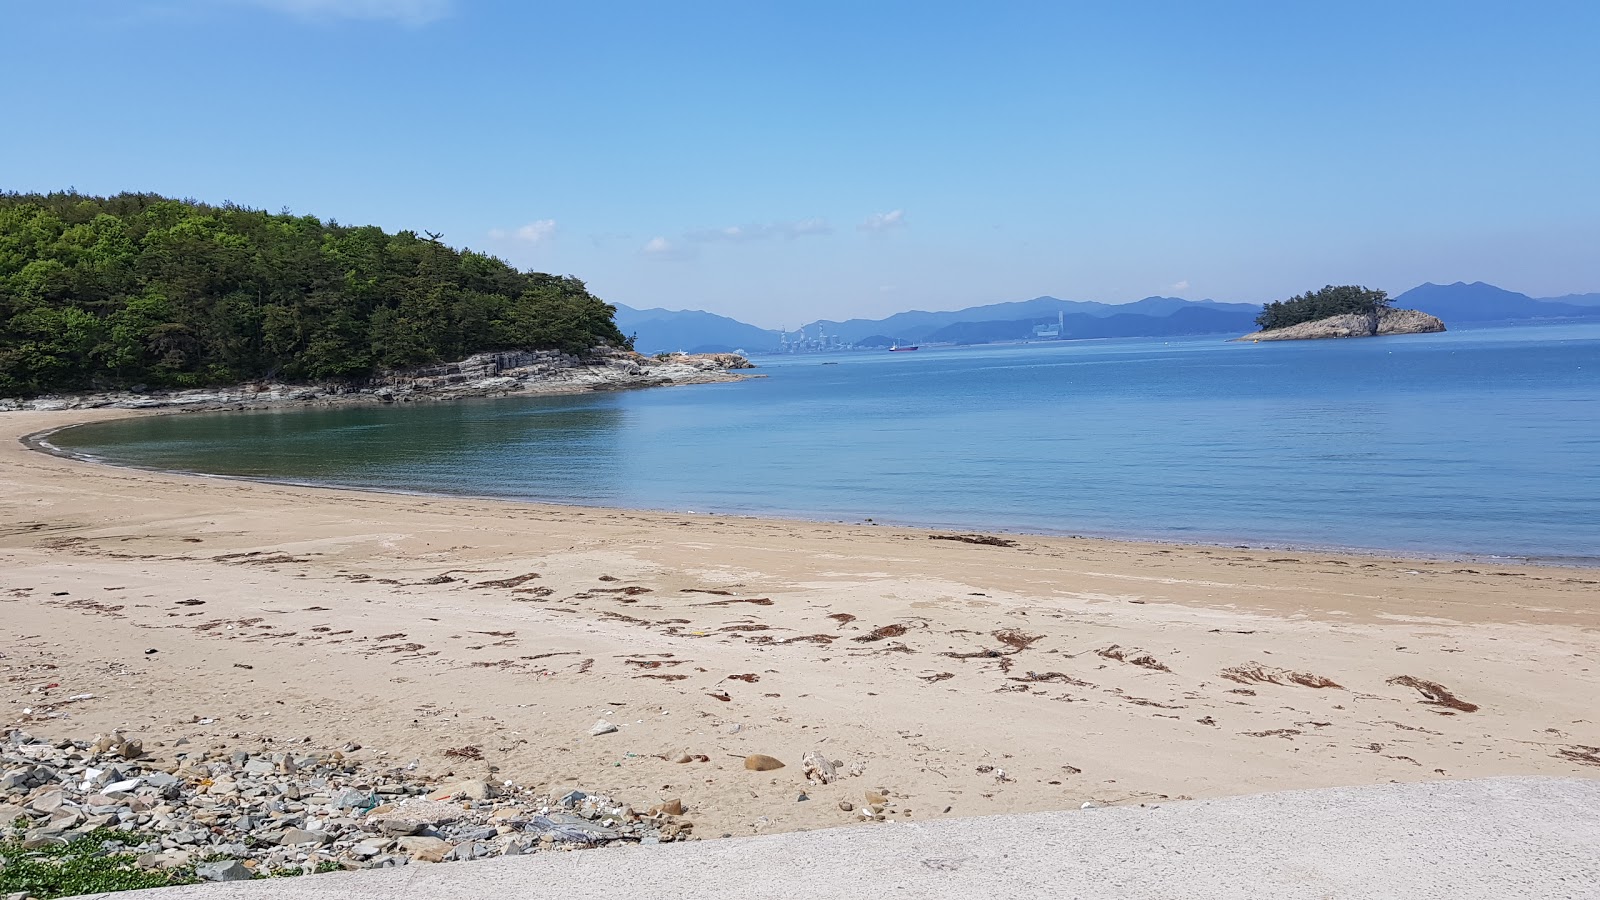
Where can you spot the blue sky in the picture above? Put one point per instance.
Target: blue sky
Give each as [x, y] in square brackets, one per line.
[785, 162]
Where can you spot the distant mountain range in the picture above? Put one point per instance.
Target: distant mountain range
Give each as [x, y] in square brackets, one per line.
[693, 331]
[1479, 302]
[1575, 299]
[660, 330]
[977, 321]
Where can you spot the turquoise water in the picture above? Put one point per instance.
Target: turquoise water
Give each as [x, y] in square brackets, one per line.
[1481, 442]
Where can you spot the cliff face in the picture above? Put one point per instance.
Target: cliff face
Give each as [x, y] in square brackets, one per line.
[1389, 321]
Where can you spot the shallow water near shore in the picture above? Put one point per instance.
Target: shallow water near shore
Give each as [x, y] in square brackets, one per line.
[1480, 442]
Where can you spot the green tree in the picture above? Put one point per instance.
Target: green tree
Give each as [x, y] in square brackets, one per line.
[101, 292]
[1313, 305]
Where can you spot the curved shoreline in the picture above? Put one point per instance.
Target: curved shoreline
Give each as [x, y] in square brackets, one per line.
[39, 442]
[413, 625]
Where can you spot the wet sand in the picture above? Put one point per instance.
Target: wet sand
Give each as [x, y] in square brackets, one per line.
[965, 679]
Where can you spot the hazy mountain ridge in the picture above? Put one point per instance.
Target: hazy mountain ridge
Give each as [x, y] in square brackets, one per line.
[1481, 302]
[919, 325]
[1573, 299]
[697, 331]
[693, 331]
[1187, 320]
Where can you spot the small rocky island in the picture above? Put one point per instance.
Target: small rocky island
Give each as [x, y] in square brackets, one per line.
[1338, 312]
[1387, 321]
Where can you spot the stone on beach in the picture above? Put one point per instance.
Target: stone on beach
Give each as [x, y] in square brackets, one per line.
[415, 814]
[304, 836]
[760, 762]
[426, 849]
[224, 870]
[818, 768]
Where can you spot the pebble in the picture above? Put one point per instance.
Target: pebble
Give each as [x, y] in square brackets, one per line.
[425, 849]
[48, 802]
[602, 727]
[303, 836]
[224, 870]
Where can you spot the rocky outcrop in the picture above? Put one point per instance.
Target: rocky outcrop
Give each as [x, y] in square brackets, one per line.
[1388, 321]
[483, 375]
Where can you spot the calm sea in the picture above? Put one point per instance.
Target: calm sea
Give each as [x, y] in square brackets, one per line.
[1474, 442]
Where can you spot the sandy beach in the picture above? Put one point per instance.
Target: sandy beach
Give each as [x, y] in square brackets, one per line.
[961, 678]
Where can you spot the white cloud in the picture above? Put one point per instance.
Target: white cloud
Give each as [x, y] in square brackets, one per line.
[406, 12]
[1181, 286]
[759, 232]
[531, 233]
[661, 248]
[806, 227]
[884, 221]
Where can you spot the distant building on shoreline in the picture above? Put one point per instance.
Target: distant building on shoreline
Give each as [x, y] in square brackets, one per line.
[1056, 331]
[801, 343]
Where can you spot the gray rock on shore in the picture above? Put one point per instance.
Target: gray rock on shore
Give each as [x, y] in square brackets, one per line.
[246, 813]
[482, 375]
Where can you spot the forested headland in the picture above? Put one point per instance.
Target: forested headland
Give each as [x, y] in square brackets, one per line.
[1314, 305]
[140, 289]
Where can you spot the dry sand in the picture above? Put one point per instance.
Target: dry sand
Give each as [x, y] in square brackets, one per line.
[1027, 678]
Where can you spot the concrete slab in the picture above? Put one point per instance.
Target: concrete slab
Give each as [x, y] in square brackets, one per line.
[1460, 840]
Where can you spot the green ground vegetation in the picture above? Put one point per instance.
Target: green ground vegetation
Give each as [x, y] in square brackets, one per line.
[95, 863]
[1313, 305]
[88, 865]
[140, 289]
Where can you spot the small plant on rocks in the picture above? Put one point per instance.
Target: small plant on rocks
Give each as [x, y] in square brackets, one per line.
[93, 863]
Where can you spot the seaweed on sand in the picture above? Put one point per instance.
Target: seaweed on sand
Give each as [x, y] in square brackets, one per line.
[1049, 678]
[984, 539]
[1434, 693]
[1016, 638]
[516, 581]
[1588, 756]
[1264, 674]
[1140, 658]
[878, 634]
